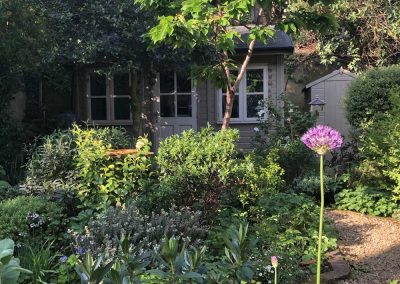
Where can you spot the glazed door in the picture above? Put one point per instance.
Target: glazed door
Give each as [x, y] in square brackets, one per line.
[176, 104]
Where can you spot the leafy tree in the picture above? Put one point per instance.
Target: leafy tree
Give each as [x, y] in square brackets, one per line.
[369, 34]
[24, 36]
[191, 24]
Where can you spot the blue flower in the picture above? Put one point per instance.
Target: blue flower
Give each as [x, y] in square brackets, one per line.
[80, 251]
[63, 259]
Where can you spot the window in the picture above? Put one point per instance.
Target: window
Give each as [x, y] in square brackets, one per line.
[253, 89]
[109, 98]
[175, 95]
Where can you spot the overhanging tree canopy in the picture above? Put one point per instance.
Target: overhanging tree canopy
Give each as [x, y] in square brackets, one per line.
[204, 23]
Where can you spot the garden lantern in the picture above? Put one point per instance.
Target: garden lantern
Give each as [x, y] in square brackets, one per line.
[317, 105]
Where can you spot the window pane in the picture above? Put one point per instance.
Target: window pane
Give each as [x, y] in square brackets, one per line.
[184, 84]
[121, 84]
[184, 105]
[253, 105]
[235, 108]
[167, 106]
[98, 85]
[255, 80]
[122, 110]
[167, 84]
[98, 109]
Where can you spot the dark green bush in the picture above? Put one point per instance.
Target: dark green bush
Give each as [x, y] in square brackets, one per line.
[12, 137]
[310, 185]
[199, 166]
[368, 95]
[380, 150]
[27, 217]
[103, 233]
[367, 200]
[289, 222]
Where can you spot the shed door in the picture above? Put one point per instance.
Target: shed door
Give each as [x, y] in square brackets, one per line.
[335, 115]
[176, 104]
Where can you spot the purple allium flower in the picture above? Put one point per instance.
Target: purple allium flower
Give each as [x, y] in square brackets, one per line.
[63, 259]
[274, 261]
[322, 139]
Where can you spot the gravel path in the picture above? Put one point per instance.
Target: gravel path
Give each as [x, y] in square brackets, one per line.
[370, 244]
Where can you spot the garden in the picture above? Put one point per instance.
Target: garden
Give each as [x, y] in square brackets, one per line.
[198, 210]
[93, 204]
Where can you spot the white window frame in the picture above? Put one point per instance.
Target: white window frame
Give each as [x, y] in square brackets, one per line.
[110, 102]
[242, 96]
[175, 93]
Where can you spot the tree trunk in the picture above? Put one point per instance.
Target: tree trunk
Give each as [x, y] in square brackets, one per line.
[136, 105]
[230, 97]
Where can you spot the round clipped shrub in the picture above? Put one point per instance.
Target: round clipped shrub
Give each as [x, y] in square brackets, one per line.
[27, 217]
[368, 95]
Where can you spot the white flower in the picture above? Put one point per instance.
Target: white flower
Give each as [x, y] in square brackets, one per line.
[256, 129]
[261, 112]
[291, 110]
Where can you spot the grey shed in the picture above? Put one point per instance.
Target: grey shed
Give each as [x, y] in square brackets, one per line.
[332, 90]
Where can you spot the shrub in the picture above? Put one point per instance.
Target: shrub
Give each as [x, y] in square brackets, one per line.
[366, 200]
[103, 180]
[282, 132]
[289, 222]
[199, 166]
[12, 137]
[261, 177]
[368, 95]
[102, 235]
[380, 149]
[310, 185]
[52, 160]
[27, 217]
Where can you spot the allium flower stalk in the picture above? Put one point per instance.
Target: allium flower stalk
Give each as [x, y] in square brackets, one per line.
[321, 139]
[274, 262]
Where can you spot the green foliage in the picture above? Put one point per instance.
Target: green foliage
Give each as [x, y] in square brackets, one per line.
[310, 185]
[66, 270]
[238, 248]
[368, 96]
[10, 270]
[11, 153]
[366, 200]
[103, 180]
[27, 218]
[362, 41]
[41, 260]
[181, 265]
[52, 161]
[281, 132]
[92, 271]
[199, 166]
[102, 235]
[380, 151]
[174, 262]
[262, 177]
[289, 222]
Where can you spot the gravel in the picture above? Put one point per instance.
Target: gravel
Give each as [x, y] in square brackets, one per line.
[370, 244]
